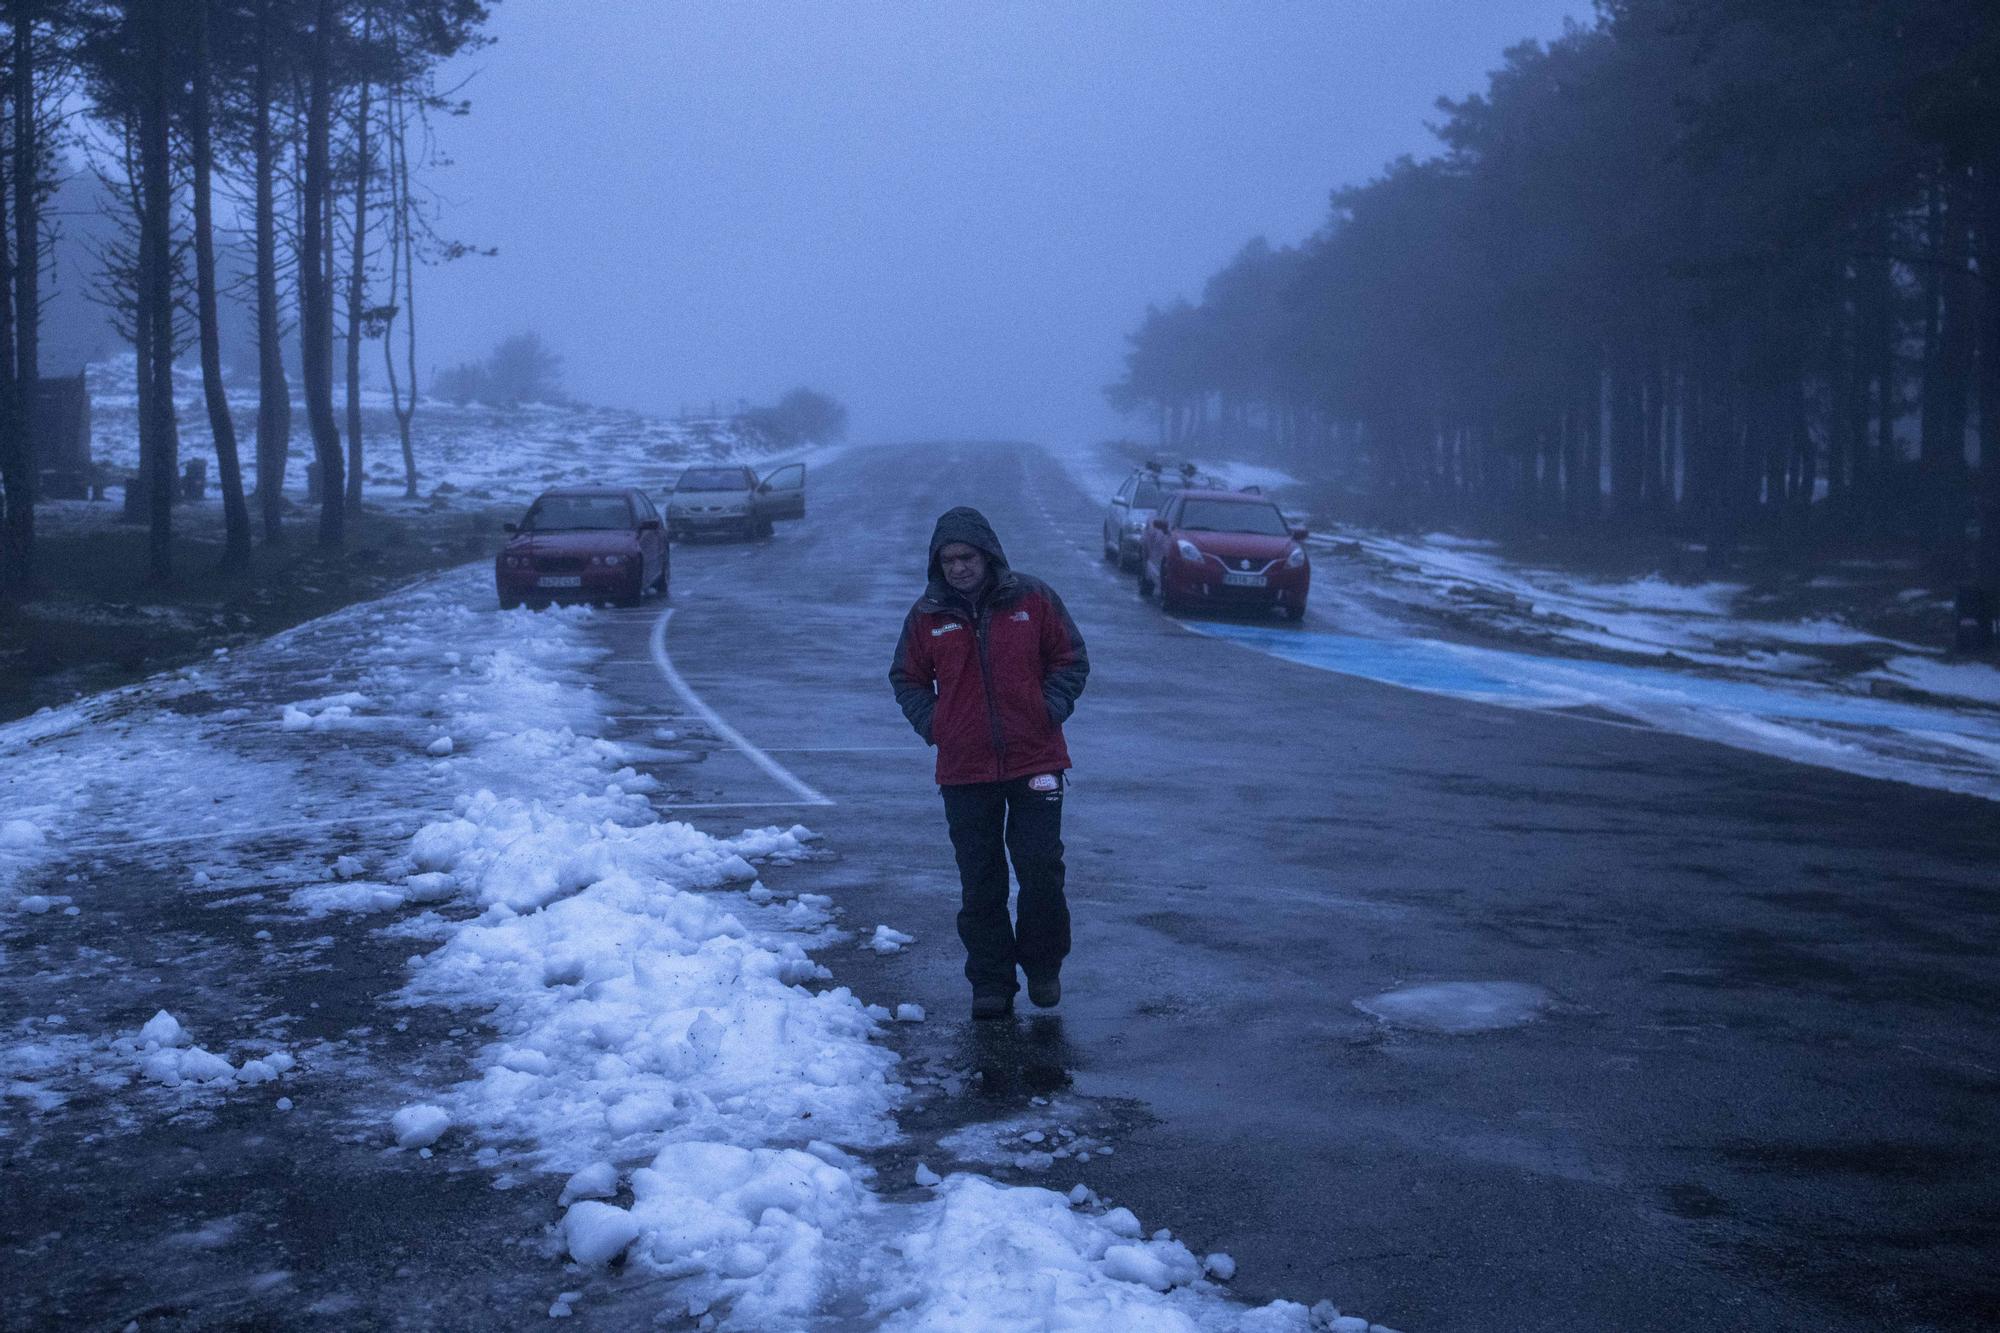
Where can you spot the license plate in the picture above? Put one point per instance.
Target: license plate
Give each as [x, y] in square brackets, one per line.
[1245, 580]
[560, 581]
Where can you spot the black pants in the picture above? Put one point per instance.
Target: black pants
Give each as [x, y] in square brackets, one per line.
[992, 822]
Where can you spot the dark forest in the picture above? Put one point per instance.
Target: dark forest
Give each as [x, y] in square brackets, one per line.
[1706, 270]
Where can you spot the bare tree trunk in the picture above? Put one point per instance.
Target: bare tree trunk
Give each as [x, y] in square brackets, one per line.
[17, 465]
[315, 303]
[274, 396]
[1988, 558]
[27, 289]
[403, 271]
[155, 305]
[357, 280]
[235, 514]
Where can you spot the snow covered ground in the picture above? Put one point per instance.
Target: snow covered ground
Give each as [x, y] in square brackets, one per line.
[1687, 658]
[469, 454]
[664, 1055]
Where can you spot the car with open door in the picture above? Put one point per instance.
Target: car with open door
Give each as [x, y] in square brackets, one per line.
[734, 500]
[1225, 550]
[584, 543]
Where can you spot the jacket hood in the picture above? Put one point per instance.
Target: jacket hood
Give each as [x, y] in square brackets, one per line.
[968, 525]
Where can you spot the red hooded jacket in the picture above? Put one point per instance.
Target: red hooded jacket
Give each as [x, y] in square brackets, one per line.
[990, 680]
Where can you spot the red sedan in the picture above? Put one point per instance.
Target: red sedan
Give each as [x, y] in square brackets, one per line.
[587, 543]
[1225, 549]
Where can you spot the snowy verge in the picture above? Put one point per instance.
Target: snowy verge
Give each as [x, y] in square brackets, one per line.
[655, 1037]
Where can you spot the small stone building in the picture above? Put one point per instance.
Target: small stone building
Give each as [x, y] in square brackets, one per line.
[60, 419]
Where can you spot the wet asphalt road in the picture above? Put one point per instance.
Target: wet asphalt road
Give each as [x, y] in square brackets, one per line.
[1765, 1096]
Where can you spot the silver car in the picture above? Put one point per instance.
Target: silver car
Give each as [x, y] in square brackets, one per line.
[1138, 499]
[733, 500]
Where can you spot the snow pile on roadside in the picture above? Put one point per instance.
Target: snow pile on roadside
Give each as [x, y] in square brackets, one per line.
[1650, 616]
[989, 1257]
[753, 1233]
[1974, 682]
[634, 1004]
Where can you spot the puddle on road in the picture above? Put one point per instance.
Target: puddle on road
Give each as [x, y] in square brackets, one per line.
[1456, 1008]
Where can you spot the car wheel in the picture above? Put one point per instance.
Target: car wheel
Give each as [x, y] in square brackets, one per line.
[1294, 613]
[1145, 584]
[1129, 561]
[1168, 602]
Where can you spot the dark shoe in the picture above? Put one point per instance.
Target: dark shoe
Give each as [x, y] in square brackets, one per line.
[1046, 992]
[992, 1006]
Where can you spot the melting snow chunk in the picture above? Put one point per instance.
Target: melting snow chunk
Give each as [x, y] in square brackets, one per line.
[925, 1176]
[596, 1233]
[599, 1180]
[1159, 1265]
[162, 1029]
[889, 941]
[419, 1126]
[1456, 1007]
[439, 747]
[909, 1013]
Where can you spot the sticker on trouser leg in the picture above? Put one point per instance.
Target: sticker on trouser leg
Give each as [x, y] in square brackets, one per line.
[1044, 783]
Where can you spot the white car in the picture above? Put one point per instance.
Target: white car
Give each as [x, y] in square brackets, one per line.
[1142, 495]
[733, 500]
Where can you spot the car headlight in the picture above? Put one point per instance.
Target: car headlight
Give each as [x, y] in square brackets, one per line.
[1188, 550]
[1135, 525]
[1296, 559]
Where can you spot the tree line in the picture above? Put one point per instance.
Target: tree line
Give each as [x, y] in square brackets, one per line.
[309, 119]
[1714, 269]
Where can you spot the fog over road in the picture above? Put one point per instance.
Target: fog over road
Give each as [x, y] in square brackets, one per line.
[1758, 1087]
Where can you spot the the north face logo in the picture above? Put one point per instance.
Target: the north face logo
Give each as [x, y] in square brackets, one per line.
[1021, 615]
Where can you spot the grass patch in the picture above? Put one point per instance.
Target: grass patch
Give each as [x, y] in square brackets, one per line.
[95, 622]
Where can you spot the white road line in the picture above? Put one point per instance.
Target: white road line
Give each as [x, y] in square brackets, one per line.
[777, 772]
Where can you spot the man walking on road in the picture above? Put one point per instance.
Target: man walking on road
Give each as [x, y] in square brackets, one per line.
[988, 667]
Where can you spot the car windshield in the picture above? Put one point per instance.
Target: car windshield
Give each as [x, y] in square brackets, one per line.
[1232, 516]
[712, 479]
[559, 513]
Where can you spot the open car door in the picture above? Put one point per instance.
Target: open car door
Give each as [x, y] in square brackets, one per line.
[782, 495]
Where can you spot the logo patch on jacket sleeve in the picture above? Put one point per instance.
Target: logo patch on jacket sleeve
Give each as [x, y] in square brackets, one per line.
[1022, 615]
[946, 628]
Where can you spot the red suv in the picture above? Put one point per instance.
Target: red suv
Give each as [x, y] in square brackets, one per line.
[1225, 549]
[595, 543]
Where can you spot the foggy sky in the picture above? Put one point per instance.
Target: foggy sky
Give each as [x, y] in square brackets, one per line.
[947, 214]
